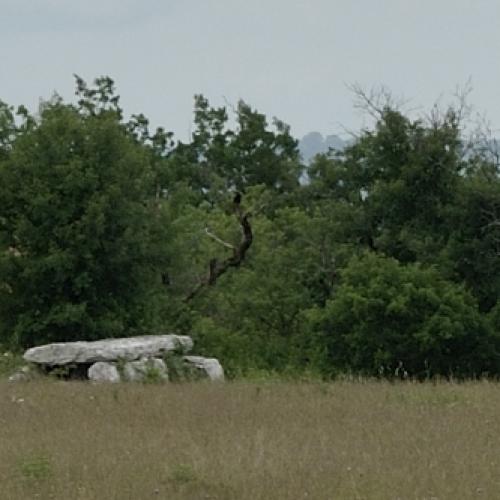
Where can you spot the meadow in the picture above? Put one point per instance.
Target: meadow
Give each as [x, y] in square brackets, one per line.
[250, 440]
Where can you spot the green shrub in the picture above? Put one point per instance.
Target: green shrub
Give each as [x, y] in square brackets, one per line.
[391, 319]
[9, 362]
[35, 467]
[78, 245]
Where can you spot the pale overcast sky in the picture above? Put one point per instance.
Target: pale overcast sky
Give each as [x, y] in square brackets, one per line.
[288, 58]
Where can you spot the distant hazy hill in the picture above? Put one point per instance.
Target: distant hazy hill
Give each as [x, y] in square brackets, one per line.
[313, 143]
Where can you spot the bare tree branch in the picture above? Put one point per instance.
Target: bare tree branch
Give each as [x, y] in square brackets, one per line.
[483, 141]
[376, 100]
[216, 268]
[463, 109]
[218, 240]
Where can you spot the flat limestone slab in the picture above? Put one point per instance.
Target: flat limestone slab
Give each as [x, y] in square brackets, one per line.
[129, 349]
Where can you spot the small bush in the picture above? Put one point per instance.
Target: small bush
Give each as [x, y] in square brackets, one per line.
[179, 370]
[35, 467]
[391, 319]
[9, 362]
[182, 474]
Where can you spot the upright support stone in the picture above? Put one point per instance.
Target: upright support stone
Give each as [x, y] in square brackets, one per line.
[104, 372]
[210, 366]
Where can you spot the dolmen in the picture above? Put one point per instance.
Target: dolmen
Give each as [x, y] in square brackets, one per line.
[147, 358]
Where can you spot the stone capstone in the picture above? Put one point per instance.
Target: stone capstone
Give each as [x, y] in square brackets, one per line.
[129, 349]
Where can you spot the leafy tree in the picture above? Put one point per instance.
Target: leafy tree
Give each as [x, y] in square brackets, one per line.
[8, 129]
[384, 260]
[252, 317]
[473, 251]
[386, 316]
[401, 178]
[81, 242]
[220, 159]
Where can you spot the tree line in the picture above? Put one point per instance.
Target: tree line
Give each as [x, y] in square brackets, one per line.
[378, 260]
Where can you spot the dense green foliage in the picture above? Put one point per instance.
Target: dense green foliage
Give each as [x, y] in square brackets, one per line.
[383, 258]
[80, 244]
[387, 317]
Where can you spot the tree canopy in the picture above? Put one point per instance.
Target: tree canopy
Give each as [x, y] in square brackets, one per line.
[379, 259]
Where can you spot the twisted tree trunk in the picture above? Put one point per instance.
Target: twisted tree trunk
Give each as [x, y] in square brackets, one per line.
[217, 268]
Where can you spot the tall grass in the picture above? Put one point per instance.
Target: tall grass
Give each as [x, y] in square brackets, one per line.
[373, 440]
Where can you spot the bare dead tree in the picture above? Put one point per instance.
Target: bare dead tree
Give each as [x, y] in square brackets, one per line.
[376, 100]
[456, 112]
[463, 109]
[217, 268]
[483, 142]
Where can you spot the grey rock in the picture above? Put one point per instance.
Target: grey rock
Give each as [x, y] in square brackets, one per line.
[23, 374]
[210, 366]
[103, 372]
[130, 349]
[18, 377]
[144, 369]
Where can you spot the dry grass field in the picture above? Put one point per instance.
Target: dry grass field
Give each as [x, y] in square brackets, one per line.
[344, 440]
